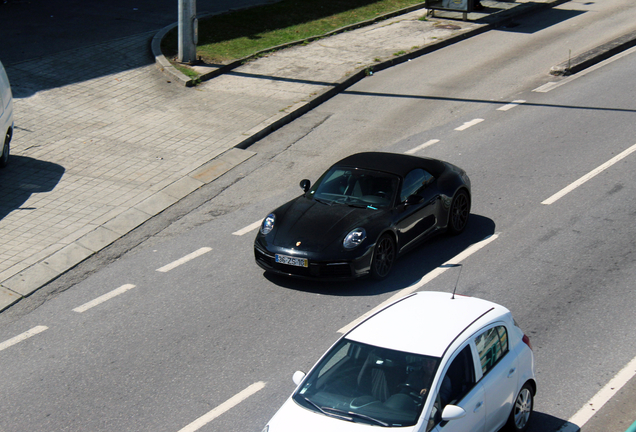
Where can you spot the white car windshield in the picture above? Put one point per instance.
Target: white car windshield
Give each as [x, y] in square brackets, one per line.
[363, 383]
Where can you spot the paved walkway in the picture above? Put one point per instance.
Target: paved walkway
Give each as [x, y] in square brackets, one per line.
[104, 140]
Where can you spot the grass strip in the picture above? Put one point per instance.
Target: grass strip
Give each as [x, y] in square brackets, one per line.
[239, 34]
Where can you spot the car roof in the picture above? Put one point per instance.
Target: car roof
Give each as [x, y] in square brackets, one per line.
[394, 163]
[426, 322]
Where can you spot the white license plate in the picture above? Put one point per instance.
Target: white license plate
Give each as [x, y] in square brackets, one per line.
[293, 261]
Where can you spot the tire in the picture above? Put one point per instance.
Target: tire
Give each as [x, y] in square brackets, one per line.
[459, 212]
[4, 157]
[384, 256]
[521, 410]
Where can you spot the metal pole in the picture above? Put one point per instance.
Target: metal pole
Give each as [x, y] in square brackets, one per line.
[187, 31]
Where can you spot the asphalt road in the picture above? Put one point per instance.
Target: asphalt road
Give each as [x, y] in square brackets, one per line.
[181, 342]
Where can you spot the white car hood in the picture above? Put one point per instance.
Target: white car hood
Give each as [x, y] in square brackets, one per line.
[293, 418]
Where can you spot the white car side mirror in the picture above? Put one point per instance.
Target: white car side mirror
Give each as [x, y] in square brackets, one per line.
[298, 377]
[452, 412]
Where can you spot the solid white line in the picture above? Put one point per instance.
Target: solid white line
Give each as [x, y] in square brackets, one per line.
[197, 253]
[469, 124]
[422, 146]
[224, 407]
[101, 299]
[601, 398]
[426, 279]
[19, 338]
[589, 175]
[511, 105]
[552, 85]
[250, 227]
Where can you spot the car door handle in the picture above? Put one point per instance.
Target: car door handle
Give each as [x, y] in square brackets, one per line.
[479, 404]
[512, 372]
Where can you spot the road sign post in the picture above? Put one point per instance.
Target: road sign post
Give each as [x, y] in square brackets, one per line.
[188, 29]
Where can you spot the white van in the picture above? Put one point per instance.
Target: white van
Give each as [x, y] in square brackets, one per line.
[6, 116]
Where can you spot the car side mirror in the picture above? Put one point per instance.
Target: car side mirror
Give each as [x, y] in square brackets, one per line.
[305, 185]
[413, 199]
[298, 377]
[452, 412]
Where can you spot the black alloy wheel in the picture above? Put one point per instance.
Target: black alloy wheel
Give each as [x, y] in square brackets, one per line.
[383, 257]
[459, 212]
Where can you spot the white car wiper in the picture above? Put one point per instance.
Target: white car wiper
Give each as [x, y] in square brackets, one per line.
[336, 414]
[355, 414]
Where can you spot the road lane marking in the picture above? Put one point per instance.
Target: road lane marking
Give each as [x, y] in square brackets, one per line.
[511, 105]
[197, 253]
[422, 146]
[224, 407]
[589, 175]
[250, 227]
[19, 338]
[469, 124]
[593, 406]
[426, 279]
[101, 299]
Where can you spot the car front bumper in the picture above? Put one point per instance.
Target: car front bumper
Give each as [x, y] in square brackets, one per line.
[348, 266]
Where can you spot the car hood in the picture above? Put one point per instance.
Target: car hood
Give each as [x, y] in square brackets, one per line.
[293, 418]
[316, 225]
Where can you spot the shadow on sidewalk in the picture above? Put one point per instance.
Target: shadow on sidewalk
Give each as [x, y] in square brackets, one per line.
[24, 177]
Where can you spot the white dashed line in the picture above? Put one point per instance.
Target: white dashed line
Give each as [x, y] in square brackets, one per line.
[101, 299]
[19, 338]
[184, 260]
[469, 124]
[422, 146]
[426, 279]
[224, 407]
[589, 175]
[511, 105]
[248, 228]
[601, 398]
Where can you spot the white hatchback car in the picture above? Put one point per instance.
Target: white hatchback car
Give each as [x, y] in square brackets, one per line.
[429, 362]
[6, 116]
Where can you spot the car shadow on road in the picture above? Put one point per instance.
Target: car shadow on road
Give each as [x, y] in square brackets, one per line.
[542, 422]
[23, 177]
[407, 270]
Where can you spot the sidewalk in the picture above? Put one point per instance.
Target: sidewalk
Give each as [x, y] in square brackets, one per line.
[104, 140]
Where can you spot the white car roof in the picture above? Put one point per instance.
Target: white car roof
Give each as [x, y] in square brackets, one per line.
[426, 322]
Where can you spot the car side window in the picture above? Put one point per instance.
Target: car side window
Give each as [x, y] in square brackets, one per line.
[491, 345]
[458, 380]
[414, 182]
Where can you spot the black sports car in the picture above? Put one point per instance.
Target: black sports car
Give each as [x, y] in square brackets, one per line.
[361, 214]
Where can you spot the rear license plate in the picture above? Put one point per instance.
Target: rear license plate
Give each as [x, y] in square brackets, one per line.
[293, 261]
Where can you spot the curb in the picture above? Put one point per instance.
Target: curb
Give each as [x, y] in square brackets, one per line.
[594, 56]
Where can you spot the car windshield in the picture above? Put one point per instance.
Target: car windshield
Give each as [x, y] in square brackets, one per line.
[355, 187]
[363, 383]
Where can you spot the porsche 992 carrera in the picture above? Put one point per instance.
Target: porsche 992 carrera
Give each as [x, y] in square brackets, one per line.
[361, 214]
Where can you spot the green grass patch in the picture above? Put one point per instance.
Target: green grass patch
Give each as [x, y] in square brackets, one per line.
[227, 37]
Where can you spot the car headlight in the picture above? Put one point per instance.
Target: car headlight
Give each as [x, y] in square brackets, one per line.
[354, 238]
[268, 224]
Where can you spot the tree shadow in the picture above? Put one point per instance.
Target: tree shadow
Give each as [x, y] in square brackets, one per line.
[23, 177]
[407, 270]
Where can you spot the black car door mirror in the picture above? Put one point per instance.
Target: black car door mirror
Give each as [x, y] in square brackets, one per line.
[413, 199]
[305, 185]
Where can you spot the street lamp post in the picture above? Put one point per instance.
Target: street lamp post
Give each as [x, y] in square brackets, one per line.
[188, 31]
